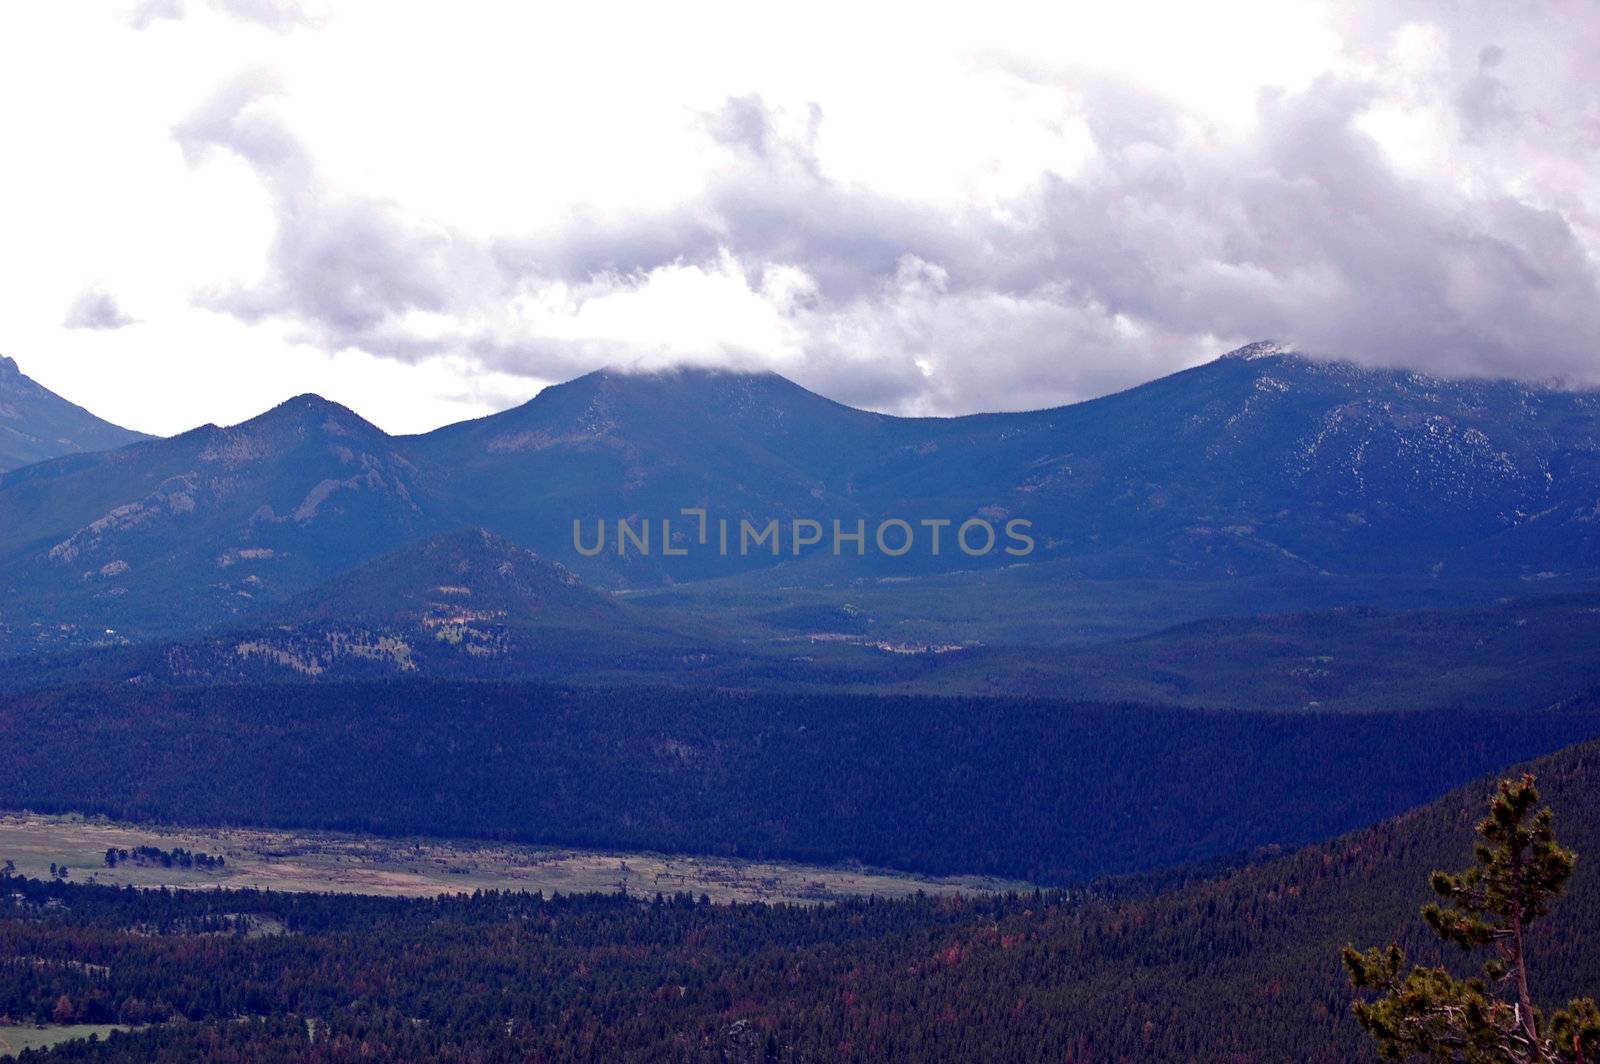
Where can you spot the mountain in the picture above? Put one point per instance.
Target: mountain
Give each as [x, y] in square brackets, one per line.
[467, 603]
[1262, 461]
[1261, 466]
[192, 531]
[451, 580]
[36, 423]
[615, 445]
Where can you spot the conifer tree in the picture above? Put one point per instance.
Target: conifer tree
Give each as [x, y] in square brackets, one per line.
[1428, 1013]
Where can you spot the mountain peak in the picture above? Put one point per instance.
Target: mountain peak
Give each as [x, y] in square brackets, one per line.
[1260, 349]
[607, 405]
[37, 424]
[311, 401]
[309, 408]
[678, 379]
[756, 396]
[689, 371]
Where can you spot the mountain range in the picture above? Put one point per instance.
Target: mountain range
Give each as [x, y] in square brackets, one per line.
[1261, 466]
[36, 423]
[1269, 599]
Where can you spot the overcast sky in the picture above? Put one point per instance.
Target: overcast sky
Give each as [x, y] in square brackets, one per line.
[428, 212]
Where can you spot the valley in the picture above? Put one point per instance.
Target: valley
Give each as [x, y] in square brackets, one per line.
[1039, 790]
[1242, 965]
[266, 859]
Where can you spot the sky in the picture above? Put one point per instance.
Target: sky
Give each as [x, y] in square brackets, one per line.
[429, 212]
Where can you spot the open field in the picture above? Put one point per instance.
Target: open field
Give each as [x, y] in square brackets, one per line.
[14, 1040]
[357, 864]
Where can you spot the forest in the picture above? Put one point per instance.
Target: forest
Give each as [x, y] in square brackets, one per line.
[1053, 792]
[1239, 967]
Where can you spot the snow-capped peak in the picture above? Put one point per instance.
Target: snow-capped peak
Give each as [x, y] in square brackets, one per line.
[1260, 349]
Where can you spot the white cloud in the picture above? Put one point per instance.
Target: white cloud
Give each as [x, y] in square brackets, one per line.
[281, 16]
[95, 308]
[918, 208]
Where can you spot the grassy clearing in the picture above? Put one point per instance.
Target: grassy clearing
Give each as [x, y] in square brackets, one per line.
[14, 1040]
[358, 864]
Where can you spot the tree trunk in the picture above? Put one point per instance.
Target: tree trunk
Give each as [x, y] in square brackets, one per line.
[1524, 998]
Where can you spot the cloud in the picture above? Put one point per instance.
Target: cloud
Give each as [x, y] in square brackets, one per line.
[351, 268]
[747, 124]
[147, 13]
[280, 16]
[1308, 230]
[1422, 202]
[95, 309]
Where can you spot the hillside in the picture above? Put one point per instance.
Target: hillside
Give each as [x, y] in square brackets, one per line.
[1243, 968]
[1518, 654]
[1044, 790]
[445, 603]
[465, 605]
[194, 531]
[471, 605]
[427, 579]
[36, 423]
